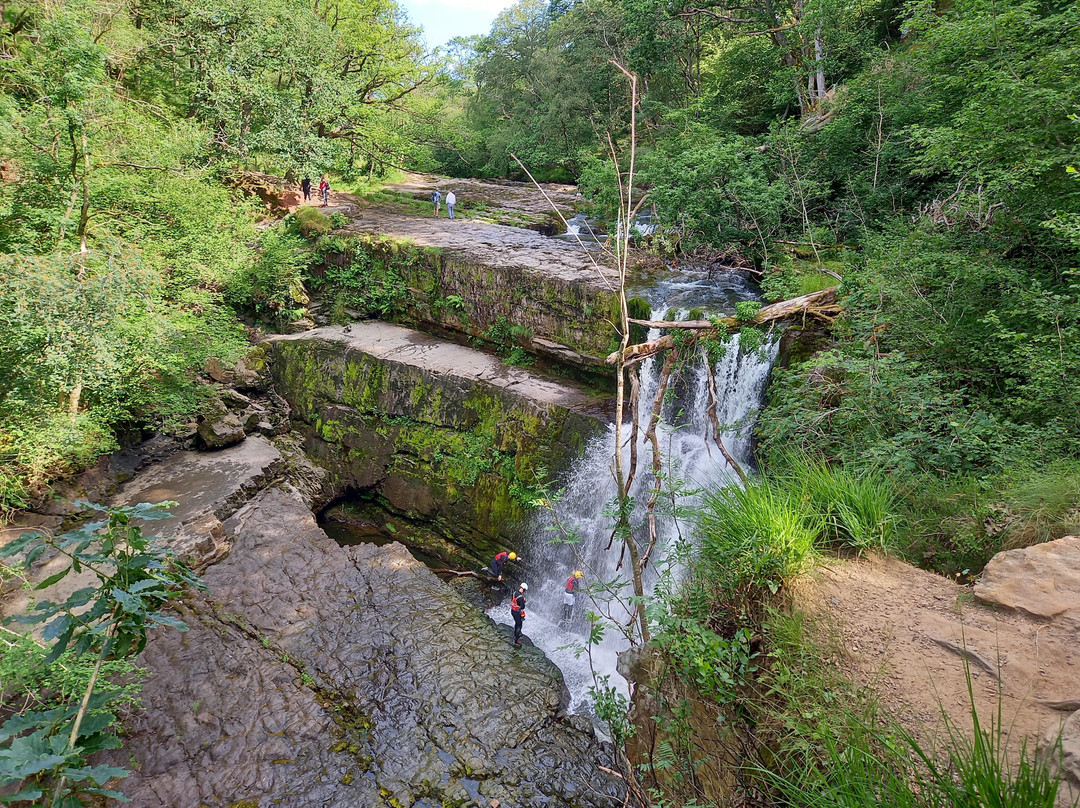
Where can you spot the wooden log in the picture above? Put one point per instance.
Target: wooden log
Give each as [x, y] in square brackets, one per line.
[821, 304]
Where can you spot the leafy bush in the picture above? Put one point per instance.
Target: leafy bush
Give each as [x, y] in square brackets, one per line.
[274, 284]
[45, 746]
[311, 222]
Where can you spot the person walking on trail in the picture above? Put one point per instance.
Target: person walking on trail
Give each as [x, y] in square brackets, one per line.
[499, 562]
[305, 186]
[572, 583]
[451, 200]
[324, 190]
[517, 611]
[436, 199]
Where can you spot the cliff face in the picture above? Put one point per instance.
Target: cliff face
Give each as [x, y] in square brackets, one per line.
[442, 435]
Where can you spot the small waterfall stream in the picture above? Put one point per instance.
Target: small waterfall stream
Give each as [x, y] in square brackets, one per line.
[688, 448]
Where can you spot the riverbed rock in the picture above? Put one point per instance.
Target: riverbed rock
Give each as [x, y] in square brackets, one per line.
[222, 430]
[208, 487]
[445, 436]
[1042, 581]
[319, 675]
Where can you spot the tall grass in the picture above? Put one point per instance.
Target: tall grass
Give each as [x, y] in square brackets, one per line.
[751, 540]
[877, 767]
[855, 508]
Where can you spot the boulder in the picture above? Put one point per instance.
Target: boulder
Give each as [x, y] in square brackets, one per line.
[222, 430]
[1042, 581]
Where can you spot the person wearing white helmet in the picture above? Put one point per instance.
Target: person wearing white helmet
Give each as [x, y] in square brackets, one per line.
[517, 611]
[499, 562]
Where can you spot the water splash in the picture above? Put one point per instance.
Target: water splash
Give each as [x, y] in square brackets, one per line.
[689, 453]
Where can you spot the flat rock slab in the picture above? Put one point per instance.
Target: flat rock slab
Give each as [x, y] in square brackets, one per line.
[516, 197]
[404, 346]
[208, 487]
[484, 244]
[1042, 581]
[319, 675]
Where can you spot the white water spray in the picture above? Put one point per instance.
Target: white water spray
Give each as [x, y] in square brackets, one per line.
[689, 453]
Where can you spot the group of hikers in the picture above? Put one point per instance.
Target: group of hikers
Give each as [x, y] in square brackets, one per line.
[324, 195]
[517, 601]
[436, 200]
[324, 189]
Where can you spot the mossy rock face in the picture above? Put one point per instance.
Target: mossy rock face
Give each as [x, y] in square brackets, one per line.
[557, 318]
[451, 441]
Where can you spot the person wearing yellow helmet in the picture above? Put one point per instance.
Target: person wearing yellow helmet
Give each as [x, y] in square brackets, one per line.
[499, 562]
[572, 583]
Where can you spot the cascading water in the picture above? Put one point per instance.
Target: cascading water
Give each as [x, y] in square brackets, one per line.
[689, 453]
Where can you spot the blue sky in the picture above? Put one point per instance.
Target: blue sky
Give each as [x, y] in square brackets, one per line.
[444, 19]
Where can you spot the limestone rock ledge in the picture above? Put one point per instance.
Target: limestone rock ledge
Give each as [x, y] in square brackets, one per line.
[319, 675]
[444, 435]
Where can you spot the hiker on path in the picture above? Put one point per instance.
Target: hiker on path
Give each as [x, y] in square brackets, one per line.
[499, 562]
[305, 186]
[572, 583]
[324, 190]
[517, 611]
[436, 198]
[451, 200]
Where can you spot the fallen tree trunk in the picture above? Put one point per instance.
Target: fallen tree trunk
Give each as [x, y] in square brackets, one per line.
[819, 305]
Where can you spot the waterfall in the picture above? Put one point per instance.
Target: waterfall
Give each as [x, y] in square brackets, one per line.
[686, 443]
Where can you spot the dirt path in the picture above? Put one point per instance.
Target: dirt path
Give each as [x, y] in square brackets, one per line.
[894, 625]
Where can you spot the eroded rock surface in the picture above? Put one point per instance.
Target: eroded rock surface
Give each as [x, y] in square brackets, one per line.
[320, 675]
[1041, 581]
[443, 434]
[208, 487]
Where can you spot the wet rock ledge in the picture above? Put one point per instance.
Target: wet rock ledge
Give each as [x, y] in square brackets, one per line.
[315, 675]
[438, 433]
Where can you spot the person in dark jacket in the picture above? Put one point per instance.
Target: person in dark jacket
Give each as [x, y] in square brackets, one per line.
[572, 583]
[305, 186]
[517, 611]
[499, 562]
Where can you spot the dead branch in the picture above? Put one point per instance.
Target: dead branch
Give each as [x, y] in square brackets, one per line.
[717, 433]
[821, 305]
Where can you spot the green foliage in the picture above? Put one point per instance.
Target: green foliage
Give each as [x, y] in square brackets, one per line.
[273, 286]
[746, 310]
[361, 274]
[44, 751]
[717, 666]
[751, 540]
[311, 222]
